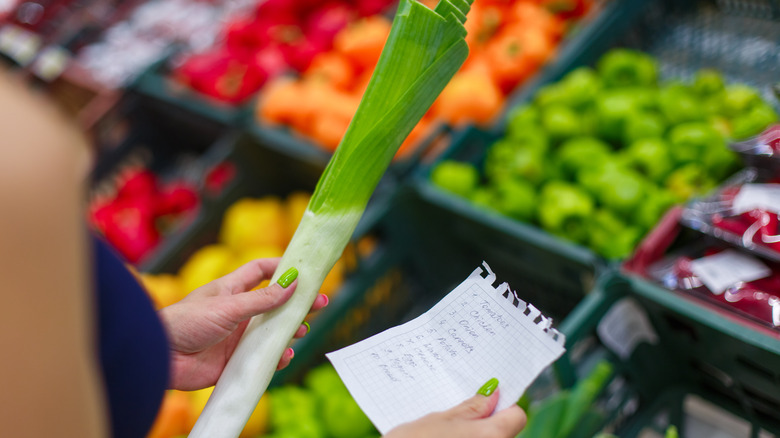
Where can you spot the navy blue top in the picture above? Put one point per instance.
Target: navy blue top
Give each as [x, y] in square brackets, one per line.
[133, 346]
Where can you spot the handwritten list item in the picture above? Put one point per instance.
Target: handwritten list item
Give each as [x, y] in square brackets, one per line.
[442, 357]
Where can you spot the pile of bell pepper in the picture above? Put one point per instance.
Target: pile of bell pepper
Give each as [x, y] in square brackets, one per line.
[598, 157]
[279, 36]
[140, 210]
[508, 41]
[320, 408]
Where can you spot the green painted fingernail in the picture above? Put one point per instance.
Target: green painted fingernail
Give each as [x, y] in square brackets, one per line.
[489, 387]
[288, 277]
[308, 327]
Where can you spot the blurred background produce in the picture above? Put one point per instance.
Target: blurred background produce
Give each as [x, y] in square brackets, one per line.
[251, 229]
[599, 156]
[574, 147]
[509, 42]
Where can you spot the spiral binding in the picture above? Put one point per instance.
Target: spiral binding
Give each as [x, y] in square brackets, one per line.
[534, 314]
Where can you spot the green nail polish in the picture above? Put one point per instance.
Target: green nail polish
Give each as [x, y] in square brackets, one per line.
[489, 387]
[308, 327]
[288, 277]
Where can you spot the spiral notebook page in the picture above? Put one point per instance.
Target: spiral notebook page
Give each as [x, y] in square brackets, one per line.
[477, 332]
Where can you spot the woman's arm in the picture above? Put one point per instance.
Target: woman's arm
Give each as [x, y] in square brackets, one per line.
[52, 382]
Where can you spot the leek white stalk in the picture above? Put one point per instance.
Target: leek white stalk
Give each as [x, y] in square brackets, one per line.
[424, 50]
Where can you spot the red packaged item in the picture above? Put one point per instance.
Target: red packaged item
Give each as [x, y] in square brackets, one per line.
[763, 150]
[729, 278]
[743, 212]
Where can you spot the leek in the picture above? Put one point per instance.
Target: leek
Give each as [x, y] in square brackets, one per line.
[423, 51]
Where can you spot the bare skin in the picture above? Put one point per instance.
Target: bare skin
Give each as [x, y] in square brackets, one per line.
[46, 323]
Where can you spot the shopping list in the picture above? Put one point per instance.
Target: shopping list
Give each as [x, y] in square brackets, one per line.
[476, 332]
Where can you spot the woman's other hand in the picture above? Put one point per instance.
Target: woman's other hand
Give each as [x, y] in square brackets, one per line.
[205, 327]
[470, 419]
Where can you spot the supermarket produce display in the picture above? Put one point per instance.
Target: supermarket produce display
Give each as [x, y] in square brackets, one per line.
[599, 156]
[615, 160]
[279, 36]
[508, 43]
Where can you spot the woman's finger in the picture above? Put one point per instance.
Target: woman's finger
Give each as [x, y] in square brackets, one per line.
[476, 407]
[249, 275]
[254, 302]
[319, 302]
[286, 358]
[509, 421]
[302, 330]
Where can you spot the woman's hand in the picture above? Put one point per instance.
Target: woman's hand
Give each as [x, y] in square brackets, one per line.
[470, 419]
[205, 327]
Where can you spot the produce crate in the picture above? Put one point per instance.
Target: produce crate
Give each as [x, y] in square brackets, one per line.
[162, 133]
[155, 84]
[134, 138]
[681, 350]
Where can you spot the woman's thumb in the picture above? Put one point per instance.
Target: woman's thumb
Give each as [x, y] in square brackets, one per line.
[481, 405]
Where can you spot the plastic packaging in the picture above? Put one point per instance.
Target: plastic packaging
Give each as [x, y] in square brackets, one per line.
[743, 212]
[735, 280]
[763, 150]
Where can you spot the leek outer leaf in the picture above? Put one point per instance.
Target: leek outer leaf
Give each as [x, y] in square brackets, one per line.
[424, 50]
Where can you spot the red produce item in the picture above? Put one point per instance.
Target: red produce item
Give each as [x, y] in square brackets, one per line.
[223, 74]
[137, 183]
[300, 52]
[101, 214]
[131, 230]
[176, 198]
[219, 177]
[246, 34]
[271, 60]
[277, 8]
[367, 8]
[327, 20]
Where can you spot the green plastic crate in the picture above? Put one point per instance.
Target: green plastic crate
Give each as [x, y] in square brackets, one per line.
[157, 84]
[698, 352]
[139, 123]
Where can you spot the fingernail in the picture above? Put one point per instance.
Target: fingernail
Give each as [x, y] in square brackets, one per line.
[327, 300]
[308, 327]
[489, 387]
[288, 277]
[291, 353]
